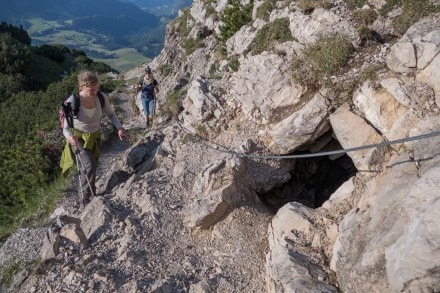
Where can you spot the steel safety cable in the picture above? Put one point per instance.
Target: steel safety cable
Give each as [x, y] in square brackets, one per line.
[224, 149]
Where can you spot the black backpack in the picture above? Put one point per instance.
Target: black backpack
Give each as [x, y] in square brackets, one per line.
[72, 108]
[147, 89]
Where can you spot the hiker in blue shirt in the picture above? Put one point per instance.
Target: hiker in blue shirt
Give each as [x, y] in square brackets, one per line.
[149, 88]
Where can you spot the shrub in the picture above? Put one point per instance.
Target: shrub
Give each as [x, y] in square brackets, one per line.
[234, 64]
[107, 84]
[307, 6]
[264, 10]
[165, 69]
[8, 272]
[412, 11]
[190, 45]
[352, 4]
[172, 105]
[210, 10]
[278, 30]
[13, 54]
[388, 6]
[182, 25]
[366, 34]
[321, 59]
[214, 71]
[55, 53]
[234, 17]
[10, 85]
[17, 33]
[364, 17]
[202, 131]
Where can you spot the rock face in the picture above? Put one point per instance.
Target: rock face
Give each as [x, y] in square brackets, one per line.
[351, 131]
[185, 208]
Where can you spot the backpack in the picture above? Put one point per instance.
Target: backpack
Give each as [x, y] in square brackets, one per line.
[148, 89]
[67, 109]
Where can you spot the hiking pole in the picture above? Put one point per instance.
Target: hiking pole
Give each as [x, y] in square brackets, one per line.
[134, 108]
[154, 109]
[81, 201]
[79, 163]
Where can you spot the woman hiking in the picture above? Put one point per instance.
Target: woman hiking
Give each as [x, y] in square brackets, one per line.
[149, 88]
[85, 137]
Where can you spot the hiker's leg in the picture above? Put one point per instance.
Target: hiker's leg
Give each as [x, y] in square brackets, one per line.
[151, 110]
[88, 168]
[145, 108]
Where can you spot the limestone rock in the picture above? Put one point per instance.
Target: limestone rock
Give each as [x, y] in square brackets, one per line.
[239, 43]
[94, 218]
[402, 57]
[51, 245]
[369, 230]
[430, 75]
[287, 269]
[310, 28]
[352, 131]
[396, 88]
[263, 85]
[199, 103]
[74, 233]
[214, 191]
[412, 261]
[379, 107]
[304, 125]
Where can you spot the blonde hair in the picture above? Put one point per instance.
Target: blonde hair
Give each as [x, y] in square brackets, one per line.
[87, 79]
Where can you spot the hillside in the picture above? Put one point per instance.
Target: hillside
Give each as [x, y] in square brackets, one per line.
[295, 149]
[158, 7]
[103, 16]
[119, 34]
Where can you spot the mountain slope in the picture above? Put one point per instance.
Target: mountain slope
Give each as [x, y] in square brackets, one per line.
[169, 7]
[104, 16]
[206, 202]
[119, 34]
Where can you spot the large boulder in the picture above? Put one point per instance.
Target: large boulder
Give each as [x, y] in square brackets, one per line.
[263, 85]
[304, 125]
[215, 190]
[379, 107]
[289, 270]
[95, 219]
[311, 27]
[200, 104]
[353, 131]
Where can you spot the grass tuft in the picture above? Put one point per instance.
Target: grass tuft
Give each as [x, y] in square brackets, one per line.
[320, 60]
[276, 31]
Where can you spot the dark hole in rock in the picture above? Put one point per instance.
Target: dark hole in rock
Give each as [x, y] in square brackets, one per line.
[313, 180]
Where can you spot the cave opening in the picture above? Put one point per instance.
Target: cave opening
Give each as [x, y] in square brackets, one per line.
[313, 180]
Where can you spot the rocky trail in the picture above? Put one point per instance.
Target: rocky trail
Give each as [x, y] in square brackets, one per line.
[141, 243]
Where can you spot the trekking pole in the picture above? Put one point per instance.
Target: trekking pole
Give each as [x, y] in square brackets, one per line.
[154, 108]
[81, 202]
[78, 150]
[134, 108]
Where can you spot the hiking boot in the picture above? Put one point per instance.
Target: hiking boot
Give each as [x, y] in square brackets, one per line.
[147, 123]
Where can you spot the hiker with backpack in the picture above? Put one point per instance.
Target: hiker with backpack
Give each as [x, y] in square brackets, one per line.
[149, 88]
[83, 130]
